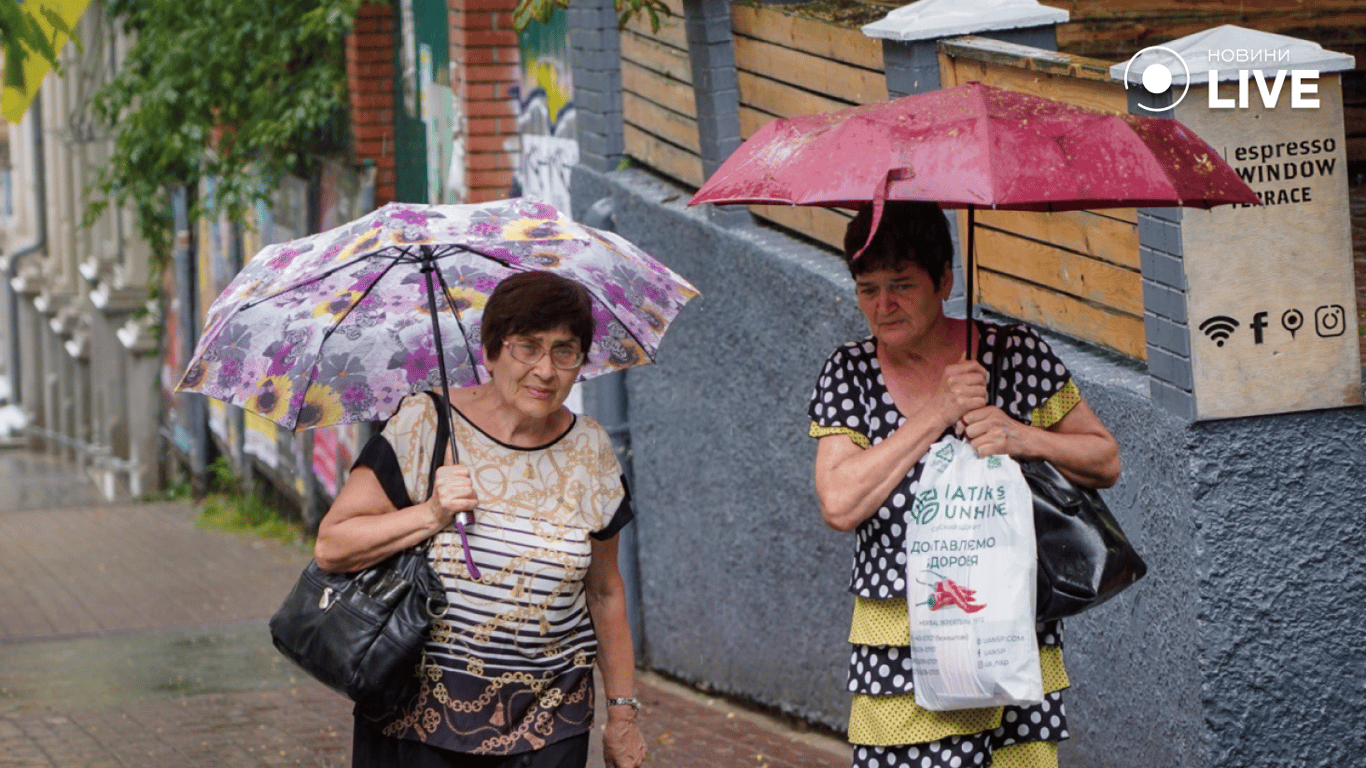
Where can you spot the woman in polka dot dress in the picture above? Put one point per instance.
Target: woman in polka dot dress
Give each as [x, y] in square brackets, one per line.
[877, 407]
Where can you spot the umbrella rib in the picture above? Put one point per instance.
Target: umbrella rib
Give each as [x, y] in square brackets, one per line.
[327, 334]
[322, 276]
[517, 268]
[446, 294]
[521, 268]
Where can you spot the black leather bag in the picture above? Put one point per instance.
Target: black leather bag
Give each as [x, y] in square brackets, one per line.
[362, 633]
[1084, 556]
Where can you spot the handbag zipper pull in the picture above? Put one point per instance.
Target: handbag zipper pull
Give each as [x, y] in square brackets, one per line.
[328, 599]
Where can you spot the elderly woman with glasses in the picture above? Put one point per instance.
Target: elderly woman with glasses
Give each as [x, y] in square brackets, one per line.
[507, 675]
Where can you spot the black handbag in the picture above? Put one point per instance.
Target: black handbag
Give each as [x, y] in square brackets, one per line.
[1084, 556]
[362, 633]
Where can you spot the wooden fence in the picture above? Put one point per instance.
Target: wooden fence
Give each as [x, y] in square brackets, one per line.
[1076, 272]
[786, 65]
[658, 106]
[792, 65]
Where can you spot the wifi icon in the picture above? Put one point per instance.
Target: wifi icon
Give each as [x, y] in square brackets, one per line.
[1219, 328]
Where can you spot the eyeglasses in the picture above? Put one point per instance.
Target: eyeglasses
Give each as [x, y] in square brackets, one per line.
[564, 357]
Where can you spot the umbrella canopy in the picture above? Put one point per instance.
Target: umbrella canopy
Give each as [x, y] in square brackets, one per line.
[340, 326]
[976, 145]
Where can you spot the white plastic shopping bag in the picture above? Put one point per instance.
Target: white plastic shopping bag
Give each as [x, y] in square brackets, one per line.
[971, 565]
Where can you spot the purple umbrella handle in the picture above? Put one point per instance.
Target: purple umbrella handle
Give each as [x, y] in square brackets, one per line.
[460, 520]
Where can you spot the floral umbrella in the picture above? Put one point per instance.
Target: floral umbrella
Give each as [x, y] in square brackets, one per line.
[339, 326]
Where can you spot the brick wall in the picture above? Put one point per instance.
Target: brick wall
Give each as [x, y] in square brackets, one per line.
[370, 82]
[485, 57]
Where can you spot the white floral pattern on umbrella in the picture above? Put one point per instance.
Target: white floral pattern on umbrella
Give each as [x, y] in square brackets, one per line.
[336, 327]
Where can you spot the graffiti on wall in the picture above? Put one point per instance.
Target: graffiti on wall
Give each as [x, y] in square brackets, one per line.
[545, 112]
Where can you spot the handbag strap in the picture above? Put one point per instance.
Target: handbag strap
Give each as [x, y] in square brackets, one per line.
[443, 439]
[443, 436]
[996, 349]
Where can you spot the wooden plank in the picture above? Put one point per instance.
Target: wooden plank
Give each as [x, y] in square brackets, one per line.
[667, 124]
[1094, 94]
[1038, 306]
[649, 53]
[1114, 38]
[1356, 149]
[1131, 8]
[660, 155]
[804, 70]
[1103, 237]
[781, 99]
[751, 120]
[819, 38]
[671, 28]
[663, 91]
[825, 225]
[1015, 55]
[1066, 272]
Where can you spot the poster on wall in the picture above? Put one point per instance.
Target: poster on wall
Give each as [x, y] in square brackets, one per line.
[259, 439]
[437, 111]
[339, 195]
[325, 444]
[546, 118]
[172, 365]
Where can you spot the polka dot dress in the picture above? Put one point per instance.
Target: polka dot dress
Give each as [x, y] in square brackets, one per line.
[1046, 721]
[851, 398]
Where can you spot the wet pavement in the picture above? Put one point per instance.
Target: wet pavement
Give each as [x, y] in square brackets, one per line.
[130, 638]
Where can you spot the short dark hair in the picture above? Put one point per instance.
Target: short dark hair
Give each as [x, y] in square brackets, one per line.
[910, 232]
[532, 302]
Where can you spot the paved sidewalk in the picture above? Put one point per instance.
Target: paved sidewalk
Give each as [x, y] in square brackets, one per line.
[129, 638]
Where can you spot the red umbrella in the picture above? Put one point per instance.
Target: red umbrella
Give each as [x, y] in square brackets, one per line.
[975, 145]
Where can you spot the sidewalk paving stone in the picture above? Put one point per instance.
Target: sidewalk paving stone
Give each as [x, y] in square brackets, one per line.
[130, 638]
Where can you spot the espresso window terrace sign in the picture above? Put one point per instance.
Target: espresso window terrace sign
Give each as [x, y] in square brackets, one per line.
[1270, 297]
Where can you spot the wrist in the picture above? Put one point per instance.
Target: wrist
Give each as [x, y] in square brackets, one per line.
[624, 707]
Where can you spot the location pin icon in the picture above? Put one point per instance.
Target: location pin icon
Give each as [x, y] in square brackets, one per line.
[1292, 320]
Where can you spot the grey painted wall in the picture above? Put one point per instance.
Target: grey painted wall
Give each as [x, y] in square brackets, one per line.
[1241, 648]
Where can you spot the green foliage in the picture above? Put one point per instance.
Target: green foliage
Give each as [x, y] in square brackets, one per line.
[180, 490]
[228, 508]
[541, 10]
[21, 36]
[244, 91]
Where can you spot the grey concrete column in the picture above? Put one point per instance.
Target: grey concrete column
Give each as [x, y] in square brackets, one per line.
[143, 417]
[53, 400]
[595, 58]
[716, 91]
[31, 351]
[1165, 322]
[910, 34]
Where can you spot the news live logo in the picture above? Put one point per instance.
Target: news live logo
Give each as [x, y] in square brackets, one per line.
[1164, 65]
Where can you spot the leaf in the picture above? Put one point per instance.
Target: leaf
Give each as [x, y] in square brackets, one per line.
[59, 25]
[269, 74]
